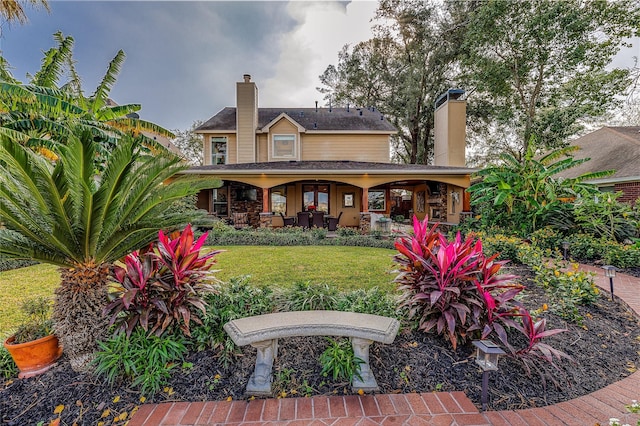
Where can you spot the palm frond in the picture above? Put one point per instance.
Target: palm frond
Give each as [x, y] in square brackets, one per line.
[134, 124]
[101, 94]
[53, 61]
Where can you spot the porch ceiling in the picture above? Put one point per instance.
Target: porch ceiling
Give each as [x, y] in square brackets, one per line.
[359, 174]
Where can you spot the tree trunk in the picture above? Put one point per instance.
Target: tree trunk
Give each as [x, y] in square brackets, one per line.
[78, 312]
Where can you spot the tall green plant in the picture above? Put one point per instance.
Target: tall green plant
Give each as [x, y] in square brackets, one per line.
[529, 189]
[63, 213]
[604, 216]
[45, 111]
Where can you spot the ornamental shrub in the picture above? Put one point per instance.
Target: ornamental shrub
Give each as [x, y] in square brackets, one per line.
[454, 288]
[623, 256]
[146, 361]
[505, 247]
[162, 287]
[237, 299]
[547, 238]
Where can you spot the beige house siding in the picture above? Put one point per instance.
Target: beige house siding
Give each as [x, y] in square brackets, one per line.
[283, 127]
[328, 147]
[262, 155]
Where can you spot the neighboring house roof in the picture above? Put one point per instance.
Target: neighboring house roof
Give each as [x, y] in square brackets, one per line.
[321, 119]
[610, 148]
[331, 166]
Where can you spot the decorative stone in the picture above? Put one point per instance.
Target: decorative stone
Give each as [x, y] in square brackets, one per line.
[266, 220]
[365, 222]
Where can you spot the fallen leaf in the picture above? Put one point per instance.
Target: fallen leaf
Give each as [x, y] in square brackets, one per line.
[58, 409]
[105, 413]
[116, 399]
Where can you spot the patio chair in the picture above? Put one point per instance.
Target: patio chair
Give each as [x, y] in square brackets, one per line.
[303, 220]
[318, 219]
[332, 222]
[288, 221]
[240, 220]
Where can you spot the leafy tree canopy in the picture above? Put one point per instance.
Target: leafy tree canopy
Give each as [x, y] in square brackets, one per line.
[530, 68]
[190, 144]
[401, 71]
[542, 66]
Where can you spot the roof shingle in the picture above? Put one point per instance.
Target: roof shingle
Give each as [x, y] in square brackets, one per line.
[322, 119]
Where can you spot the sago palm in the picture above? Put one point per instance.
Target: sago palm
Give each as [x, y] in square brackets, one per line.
[62, 212]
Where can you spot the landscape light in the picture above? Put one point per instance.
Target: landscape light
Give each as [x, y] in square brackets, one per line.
[565, 247]
[487, 356]
[610, 272]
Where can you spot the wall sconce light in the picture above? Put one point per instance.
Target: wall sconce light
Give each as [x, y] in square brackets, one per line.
[565, 247]
[610, 272]
[455, 199]
[487, 356]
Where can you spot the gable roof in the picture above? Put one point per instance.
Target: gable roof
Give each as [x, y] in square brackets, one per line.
[322, 119]
[616, 148]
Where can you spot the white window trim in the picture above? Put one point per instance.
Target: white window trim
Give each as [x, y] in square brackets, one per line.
[295, 146]
[212, 154]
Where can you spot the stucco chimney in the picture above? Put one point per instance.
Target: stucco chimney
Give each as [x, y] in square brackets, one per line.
[450, 129]
[246, 119]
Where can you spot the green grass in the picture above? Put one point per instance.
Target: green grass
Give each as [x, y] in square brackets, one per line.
[346, 268]
[21, 284]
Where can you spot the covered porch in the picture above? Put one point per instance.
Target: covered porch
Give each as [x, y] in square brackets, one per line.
[351, 191]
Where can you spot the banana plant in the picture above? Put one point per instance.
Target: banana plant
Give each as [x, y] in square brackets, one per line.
[531, 188]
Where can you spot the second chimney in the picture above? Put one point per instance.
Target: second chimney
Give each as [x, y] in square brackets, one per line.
[450, 129]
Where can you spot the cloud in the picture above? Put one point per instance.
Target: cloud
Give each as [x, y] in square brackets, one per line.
[323, 29]
[184, 57]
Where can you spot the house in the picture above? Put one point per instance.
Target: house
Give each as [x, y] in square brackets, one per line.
[611, 148]
[276, 161]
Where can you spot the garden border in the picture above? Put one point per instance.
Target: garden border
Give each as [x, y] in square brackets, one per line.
[451, 408]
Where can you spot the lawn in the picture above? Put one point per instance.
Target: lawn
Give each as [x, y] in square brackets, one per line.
[20, 284]
[344, 267]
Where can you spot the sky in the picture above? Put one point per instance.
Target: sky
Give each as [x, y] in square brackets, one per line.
[184, 57]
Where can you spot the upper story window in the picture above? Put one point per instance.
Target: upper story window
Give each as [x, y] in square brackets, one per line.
[218, 150]
[284, 146]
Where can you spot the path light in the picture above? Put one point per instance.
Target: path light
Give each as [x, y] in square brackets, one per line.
[487, 356]
[565, 247]
[610, 272]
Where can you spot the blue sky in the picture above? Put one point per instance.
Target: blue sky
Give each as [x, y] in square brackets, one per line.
[183, 57]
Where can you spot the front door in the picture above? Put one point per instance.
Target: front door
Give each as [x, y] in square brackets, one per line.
[315, 197]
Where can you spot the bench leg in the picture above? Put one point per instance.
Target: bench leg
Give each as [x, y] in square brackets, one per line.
[260, 380]
[361, 350]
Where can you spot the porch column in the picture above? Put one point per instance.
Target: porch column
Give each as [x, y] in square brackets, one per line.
[265, 200]
[365, 200]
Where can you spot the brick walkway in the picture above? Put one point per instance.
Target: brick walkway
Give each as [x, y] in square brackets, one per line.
[442, 408]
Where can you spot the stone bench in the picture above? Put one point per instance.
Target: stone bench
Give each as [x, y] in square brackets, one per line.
[263, 331]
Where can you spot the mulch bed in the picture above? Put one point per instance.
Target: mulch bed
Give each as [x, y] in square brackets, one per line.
[604, 350]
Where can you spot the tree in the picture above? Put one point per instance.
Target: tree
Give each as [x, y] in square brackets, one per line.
[523, 192]
[190, 144]
[13, 10]
[63, 213]
[541, 66]
[402, 70]
[46, 110]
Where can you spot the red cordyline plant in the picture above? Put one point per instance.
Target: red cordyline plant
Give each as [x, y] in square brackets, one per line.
[163, 286]
[453, 287]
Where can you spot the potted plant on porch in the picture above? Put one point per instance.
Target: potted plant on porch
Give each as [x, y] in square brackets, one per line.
[33, 347]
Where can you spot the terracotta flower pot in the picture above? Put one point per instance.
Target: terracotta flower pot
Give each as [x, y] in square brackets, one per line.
[35, 357]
